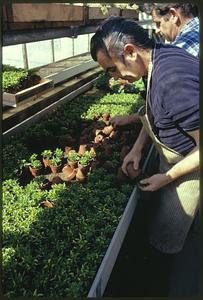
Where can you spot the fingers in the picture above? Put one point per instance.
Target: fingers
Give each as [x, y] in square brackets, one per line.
[114, 121]
[124, 167]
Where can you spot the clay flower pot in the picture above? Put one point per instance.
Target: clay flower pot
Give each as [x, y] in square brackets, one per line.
[46, 204]
[80, 176]
[114, 134]
[46, 162]
[73, 164]
[98, 131]
[34, 172]
[68, 149]
[69, 173]
[121, 177]
[55, 169]
[106, 117]
[107, 129]
[98, 139]
[82, 149]
[132, 173]
[93, 151]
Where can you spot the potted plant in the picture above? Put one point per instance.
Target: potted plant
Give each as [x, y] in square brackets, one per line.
[84, 165]
[46, 156]
[73, 158]
[34, 165]
[55, 164]
[58, 153]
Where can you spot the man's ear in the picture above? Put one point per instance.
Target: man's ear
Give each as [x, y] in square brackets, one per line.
[174, 16]
[130, 50]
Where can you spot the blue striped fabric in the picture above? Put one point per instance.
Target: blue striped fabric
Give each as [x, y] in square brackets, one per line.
[174, 96]
[188, 37]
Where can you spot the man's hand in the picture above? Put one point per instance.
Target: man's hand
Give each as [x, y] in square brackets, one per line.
[154, 182]
[124, 120]
[131, 157]
[119, 121]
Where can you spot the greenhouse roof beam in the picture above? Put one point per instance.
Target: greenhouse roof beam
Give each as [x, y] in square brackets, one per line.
[28, 36]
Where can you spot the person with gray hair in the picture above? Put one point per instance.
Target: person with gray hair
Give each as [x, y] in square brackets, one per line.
[170, 119]
[178, 23]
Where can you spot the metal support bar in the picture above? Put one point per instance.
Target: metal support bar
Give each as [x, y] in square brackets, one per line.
[35, 35]
[25, 58]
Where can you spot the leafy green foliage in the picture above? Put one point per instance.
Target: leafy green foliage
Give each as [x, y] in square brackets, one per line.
[102, 81]
[34, 162]
[116, 104]
[73, 156]
[56, 252]
[58, 248]
[47, 154]
[86, 158]
[14, 78]
[55, 161]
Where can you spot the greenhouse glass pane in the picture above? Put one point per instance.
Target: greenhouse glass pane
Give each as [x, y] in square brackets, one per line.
[39, 53]
[81, 44]
[13, 55]
[63, 48]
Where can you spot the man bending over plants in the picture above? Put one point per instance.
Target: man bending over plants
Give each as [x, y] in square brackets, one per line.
[170, 119]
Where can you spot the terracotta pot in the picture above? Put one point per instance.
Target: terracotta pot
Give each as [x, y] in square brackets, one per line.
[121, 177]
[46, 204]
[98, 139]
[98, 131]
[68, 149]
[93, 151]
[34, 172]
[80, 176]
[114, 134]
[46, 162]
[69, 173]
[83, 168]
[132, 173]
[55, 169]
[57, 180]
[82, 148]
[73, 164]
[106, 116]
[107, 129]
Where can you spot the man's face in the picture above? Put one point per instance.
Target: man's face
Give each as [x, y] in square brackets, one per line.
[164, 26]
[120, 67]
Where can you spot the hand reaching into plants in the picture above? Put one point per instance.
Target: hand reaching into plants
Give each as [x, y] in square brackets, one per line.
[124, 120]
[132, 157]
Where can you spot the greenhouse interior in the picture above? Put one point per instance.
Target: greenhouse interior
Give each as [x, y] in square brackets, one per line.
[74, 224]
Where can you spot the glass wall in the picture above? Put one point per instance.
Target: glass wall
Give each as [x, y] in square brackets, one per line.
[37, 54]
[13, 55]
